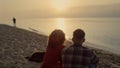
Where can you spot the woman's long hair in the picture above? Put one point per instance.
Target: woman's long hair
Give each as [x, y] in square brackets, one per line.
[57, 37]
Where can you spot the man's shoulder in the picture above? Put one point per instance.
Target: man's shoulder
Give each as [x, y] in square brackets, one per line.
[68, 48]
[72, 47]
[87, 49]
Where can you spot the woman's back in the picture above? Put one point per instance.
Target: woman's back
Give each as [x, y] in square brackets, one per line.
[53, 58]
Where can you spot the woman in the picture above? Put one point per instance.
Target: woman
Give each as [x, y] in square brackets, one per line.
[52, 58]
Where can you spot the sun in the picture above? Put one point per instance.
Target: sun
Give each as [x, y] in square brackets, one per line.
[60, 5]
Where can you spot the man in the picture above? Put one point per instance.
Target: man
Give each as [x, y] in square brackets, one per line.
[14, 21]
[77, 56]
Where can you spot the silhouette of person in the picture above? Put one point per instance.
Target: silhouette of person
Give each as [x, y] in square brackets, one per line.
[14, 21]
[78, 56]
[52, 58]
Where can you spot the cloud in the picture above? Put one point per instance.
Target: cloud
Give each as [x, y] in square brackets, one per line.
[94, 11]
[112, 10]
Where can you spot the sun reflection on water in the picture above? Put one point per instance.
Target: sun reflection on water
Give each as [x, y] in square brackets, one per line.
[60, 23]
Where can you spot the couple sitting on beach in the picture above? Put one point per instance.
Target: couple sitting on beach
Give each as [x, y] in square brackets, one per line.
[74, 56]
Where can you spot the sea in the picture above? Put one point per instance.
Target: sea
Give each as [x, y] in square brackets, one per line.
[102, 33]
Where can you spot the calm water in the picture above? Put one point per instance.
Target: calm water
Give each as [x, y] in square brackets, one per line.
[104, 33]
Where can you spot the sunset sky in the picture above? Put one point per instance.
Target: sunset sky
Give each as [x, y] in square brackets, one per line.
[59, 8]
[99, 18]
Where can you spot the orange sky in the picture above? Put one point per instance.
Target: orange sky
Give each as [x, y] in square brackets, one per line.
[54, 8]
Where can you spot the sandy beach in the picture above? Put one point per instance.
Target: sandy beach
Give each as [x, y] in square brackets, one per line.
[17, 43]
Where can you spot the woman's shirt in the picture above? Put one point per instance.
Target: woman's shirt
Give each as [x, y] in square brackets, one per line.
[52, 58]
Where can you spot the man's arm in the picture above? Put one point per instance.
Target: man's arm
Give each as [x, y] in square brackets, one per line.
[94, 58]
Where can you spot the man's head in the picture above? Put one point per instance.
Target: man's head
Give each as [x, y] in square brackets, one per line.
[78, 36]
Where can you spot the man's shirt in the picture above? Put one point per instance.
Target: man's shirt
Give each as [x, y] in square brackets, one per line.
[77, 56]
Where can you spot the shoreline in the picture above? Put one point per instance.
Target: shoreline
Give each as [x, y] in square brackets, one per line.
[99, 47]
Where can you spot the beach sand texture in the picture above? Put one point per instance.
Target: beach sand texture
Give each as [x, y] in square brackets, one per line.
[17, 43]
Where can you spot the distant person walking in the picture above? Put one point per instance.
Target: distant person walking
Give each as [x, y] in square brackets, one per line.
[14, 21]
[78, 56]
